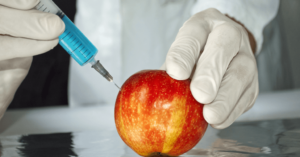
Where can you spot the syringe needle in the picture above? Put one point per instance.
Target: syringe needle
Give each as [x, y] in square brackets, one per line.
[99, 67]
[116, 85]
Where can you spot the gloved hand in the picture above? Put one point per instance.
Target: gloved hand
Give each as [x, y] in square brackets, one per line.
[224, 76]
[25, 32]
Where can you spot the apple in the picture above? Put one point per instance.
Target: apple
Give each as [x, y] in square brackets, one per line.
[156, 115]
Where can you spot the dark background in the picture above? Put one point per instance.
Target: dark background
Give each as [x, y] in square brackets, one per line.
[47, 81]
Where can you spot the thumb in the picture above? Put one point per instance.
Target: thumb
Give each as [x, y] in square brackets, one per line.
[185, 51]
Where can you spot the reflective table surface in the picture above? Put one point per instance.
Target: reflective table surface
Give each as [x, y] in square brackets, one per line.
[243, 139]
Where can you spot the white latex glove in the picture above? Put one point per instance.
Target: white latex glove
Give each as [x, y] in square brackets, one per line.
[225, 75]
[24, 33]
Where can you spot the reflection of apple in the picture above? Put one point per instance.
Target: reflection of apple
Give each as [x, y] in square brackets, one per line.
[157, 115]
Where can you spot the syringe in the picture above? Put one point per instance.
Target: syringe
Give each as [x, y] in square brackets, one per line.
[74, 41]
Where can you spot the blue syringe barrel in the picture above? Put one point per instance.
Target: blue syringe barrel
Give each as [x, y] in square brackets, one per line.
[76, 43]
[72, 39]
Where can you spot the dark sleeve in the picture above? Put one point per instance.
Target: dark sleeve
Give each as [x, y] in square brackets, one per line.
[47, 81]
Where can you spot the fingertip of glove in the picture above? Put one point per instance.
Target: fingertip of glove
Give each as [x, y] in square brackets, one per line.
[42, 47]
[218, 126]
[176, 69]
[177, 73]
[48, 45]
[54, 27]
[222, 125]
[53, 43]
[213, 115]
[202, 91]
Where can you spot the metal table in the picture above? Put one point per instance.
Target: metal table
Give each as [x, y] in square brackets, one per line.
[270, 128]
[242, 139]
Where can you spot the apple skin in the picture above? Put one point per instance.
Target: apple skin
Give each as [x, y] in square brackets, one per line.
[156, 115]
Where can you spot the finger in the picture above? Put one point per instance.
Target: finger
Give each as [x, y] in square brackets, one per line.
[23, 63]
[222, 45]
[237, 79]
[11, 47]
[185, 50]
[31, 24]
[246, 101]
[20, 4]
[12, 73]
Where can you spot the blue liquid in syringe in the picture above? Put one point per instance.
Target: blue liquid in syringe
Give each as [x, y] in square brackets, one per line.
[76, 44]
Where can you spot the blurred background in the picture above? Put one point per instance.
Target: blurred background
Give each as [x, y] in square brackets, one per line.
[278, 62]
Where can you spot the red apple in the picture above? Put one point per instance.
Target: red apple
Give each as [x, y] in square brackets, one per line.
[157, 115]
